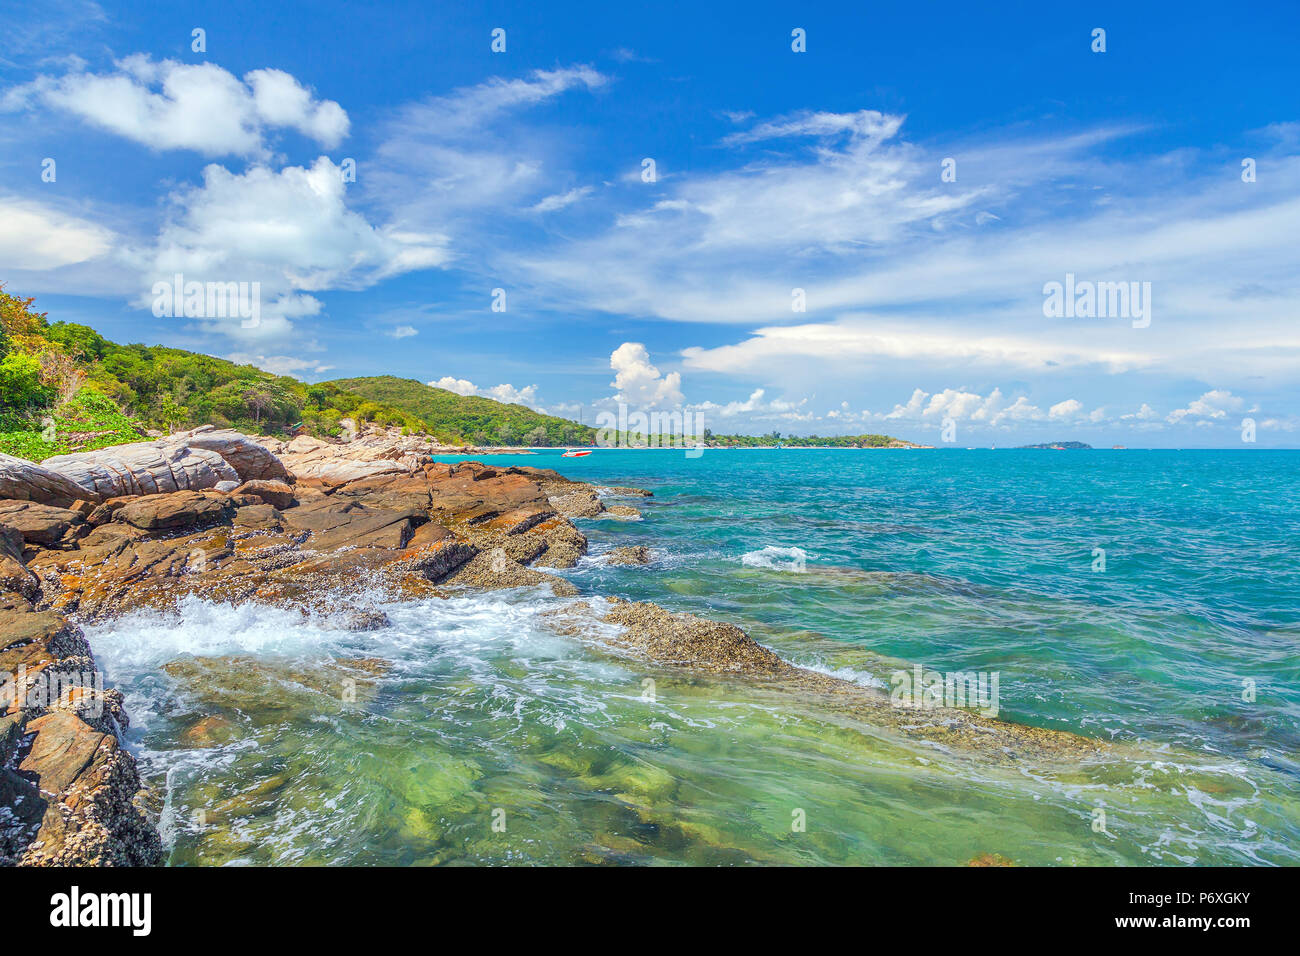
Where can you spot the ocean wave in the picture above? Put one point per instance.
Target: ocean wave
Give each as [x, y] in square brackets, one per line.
[777, 558]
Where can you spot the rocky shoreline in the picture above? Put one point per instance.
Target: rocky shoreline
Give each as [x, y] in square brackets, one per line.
[330, 530]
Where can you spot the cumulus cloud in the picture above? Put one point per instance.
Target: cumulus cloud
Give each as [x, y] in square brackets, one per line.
[1067, 409]
[165, 104]
[1215, 404]
[403, 332]
[638, 382]
[504, 393]
[290, 230]
[755, 409]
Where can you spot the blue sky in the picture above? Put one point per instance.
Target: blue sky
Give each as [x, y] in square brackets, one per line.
[775, 170]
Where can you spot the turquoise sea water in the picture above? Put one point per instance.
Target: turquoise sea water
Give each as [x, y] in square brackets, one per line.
[472, 711]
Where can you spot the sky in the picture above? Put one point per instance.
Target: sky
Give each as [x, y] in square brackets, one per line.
[812, 219]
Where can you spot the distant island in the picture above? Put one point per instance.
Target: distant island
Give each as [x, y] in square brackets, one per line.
[1061, 445]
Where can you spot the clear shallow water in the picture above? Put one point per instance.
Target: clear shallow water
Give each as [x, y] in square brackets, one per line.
[473, 712]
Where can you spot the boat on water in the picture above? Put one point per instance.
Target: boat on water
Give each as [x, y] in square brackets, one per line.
[576, 452]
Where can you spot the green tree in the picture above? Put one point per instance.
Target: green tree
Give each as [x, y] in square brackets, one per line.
[20, 383]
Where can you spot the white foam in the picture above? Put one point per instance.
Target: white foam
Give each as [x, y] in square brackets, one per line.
[777, 559]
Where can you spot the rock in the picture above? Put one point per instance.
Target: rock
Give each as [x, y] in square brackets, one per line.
[686, 639]
[363, 528]
[63, 748]
[40, 524]
[26, 481]
[621, 492]
[258, 517]
[275, 493]
[434, 561]
[249, 459]
[225, 486]
[494, 570]
[180, 509]
[15, 576]
[578, 504]
[629, 554]
[193, 460]
[621, 513]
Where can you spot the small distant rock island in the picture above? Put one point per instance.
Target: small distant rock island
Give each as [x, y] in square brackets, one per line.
[1061, 445]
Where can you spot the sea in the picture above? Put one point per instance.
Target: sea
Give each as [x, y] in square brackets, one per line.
[1147, 599]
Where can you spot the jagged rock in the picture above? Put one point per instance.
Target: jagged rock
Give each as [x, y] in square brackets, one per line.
[493, 570]
[621, 513]
[686, 639]
[434, 561]
[89, 785]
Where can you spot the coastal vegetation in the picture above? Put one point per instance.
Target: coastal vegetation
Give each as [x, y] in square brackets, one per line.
[65, 388]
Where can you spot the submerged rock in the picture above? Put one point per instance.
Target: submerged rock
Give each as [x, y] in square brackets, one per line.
[629, 554]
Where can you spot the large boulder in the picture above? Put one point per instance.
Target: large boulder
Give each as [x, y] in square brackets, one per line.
[202, 458]
[181, 509]
[28, 481]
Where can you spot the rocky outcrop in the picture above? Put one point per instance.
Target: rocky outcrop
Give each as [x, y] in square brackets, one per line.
[69, 794]
[202, 458]
[376, 452]
[649, 633]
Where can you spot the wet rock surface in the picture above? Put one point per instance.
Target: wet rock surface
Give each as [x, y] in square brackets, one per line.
[629, 554]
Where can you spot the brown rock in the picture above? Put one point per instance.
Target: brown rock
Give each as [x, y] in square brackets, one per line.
[180, 509]
[274, 493]
[15, 576]
[63, 748]
[37, 523]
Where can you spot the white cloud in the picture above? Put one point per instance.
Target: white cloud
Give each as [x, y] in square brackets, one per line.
[37, 237]
[446, 157]
[166, 104]
[403, 332]
[280, 364]
[855, 339]
[505, 393]
[1214, 404]
[461, 386]
[1067, 409]
[560, 200]
[638, 382]
[290, 230]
